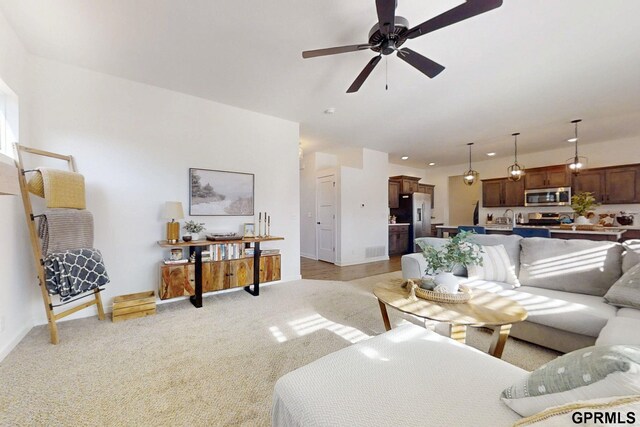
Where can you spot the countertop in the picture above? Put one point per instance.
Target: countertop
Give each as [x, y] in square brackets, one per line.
[609, 231]
[399, 223]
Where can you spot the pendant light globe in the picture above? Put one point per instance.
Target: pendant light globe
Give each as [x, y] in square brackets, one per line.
[515, 171]
[471, 176]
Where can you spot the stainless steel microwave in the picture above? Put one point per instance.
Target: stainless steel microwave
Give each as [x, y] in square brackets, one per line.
[548, 197]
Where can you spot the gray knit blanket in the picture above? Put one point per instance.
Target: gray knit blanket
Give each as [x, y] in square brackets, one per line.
[65, 229]
[71, 273]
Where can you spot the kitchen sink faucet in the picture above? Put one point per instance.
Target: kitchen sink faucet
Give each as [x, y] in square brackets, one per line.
[512, 218]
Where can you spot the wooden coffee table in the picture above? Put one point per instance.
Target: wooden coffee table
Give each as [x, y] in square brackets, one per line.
[483, 309]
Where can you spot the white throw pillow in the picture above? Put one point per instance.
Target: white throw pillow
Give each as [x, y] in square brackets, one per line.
[496, 266]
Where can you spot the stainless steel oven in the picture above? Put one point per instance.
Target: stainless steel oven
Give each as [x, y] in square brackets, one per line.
[548, 197]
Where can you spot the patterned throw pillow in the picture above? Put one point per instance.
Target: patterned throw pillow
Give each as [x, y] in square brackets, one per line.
[626, 291]
[495, 267]
[588, 373]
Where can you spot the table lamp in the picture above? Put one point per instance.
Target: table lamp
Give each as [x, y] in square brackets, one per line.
[173, 211]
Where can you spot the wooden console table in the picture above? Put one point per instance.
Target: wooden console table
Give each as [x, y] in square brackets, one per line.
[196, 248]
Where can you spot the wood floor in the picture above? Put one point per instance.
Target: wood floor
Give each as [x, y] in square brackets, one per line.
[320, 270]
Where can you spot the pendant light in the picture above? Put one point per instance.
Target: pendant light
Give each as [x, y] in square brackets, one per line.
[516, 171]
[470, 176]
[577, 163]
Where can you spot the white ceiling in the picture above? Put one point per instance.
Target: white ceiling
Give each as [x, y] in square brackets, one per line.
[529, 66]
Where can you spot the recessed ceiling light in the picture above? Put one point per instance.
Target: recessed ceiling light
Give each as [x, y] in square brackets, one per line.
[432, 164]
[572, 139]
[330, 110]
[405, 157]
[491, 154]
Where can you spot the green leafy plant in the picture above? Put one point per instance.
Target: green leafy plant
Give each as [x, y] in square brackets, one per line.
[583, 202]
[458, 251]
[193, 227]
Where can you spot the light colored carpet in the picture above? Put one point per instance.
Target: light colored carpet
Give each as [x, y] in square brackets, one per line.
[185, 366]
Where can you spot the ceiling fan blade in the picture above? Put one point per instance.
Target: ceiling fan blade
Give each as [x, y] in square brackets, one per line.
[386, 16]
[335, 50]
[421, 63]
[355, 86]
[466, 10]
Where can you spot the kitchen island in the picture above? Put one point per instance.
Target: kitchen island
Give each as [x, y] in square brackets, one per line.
[613, 234]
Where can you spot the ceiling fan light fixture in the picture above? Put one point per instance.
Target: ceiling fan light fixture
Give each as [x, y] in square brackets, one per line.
[576, 163]
[470, 176]
[516, 170]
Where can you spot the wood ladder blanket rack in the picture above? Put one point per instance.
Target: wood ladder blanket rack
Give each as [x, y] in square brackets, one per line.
[52, 317]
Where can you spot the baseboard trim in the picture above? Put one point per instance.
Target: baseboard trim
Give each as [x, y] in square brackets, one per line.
[4, 352]
[364, 261]
[309, 256]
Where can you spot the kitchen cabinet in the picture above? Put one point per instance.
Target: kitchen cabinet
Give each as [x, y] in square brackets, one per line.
[622, 184]
[502, 192]
[394, 194]
[591, 181]
[547, 177]
[408, 184]
[398, 239]
[610, 185]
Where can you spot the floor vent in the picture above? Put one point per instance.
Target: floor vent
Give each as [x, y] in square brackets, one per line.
[374, 251]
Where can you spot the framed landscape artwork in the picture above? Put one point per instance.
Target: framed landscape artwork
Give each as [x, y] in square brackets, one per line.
[215, 192]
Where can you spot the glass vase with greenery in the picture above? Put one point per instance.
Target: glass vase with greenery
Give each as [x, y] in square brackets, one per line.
[458, 251]
[582, 203]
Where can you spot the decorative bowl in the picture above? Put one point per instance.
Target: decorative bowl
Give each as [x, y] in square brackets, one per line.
[186, 238]
[625, 219]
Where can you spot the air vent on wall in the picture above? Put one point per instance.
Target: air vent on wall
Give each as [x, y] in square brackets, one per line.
[374, 251]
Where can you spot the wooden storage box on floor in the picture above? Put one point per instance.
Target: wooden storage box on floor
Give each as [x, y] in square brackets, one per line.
[134, 305]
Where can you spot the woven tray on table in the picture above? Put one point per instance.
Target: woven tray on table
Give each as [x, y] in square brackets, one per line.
[463, 295]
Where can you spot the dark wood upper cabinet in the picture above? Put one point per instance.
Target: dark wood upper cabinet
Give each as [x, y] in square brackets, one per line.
[394, 194]
[502, 192]
[592, 181]
[492, 193]
[622, 184]
[410, 185]
[547, 177]
[513, 193]
[610, 185]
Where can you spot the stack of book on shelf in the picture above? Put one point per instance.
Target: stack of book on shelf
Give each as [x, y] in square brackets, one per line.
[226, 251]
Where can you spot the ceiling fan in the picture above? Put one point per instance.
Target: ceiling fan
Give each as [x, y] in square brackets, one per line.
[393, 31]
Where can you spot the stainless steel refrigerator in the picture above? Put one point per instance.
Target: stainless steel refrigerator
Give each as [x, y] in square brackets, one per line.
[415, 209]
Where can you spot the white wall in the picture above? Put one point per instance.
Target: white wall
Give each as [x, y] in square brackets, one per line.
[135, 144]
[364, 209]
[18, 283]
[609, 153]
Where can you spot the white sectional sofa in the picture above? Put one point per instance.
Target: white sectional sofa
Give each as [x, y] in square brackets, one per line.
[562, 287]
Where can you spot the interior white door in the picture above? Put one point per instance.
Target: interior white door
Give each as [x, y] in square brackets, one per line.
[326, 218]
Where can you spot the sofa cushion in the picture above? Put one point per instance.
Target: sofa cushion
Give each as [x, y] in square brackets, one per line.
[577, 313]
[511, 244]
[620, 330]
[487, 285]
[628, 312]
[438, 243]
[588, 373]
[626, 291]
[631, 255]
[579, 266]
[495, 266]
